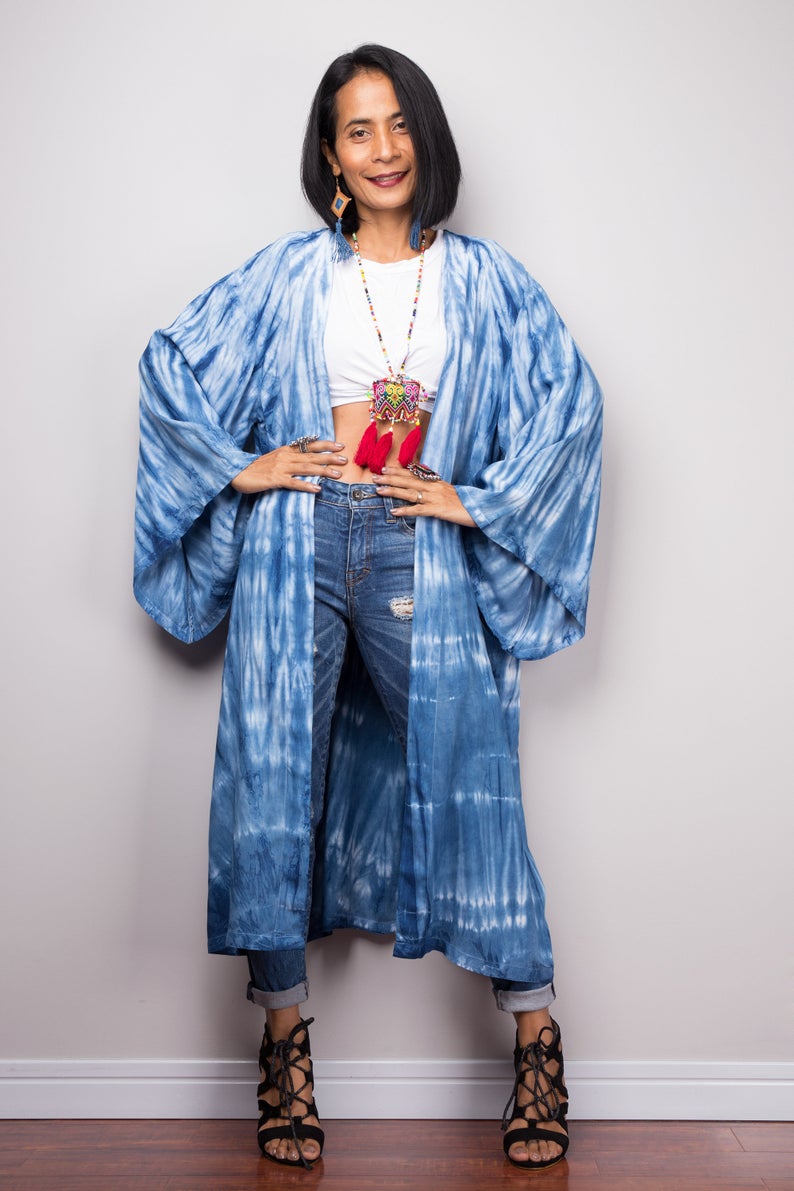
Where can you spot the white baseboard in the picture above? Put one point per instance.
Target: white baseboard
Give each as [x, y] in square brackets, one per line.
[438, 1089]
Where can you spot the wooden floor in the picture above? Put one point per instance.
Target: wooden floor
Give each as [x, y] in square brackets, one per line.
[380, 1155]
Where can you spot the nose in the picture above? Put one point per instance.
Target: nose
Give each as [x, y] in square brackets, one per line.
[384, 145]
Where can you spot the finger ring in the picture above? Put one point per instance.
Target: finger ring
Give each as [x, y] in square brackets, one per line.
[302, 443]
[419, 497]
[422, 473]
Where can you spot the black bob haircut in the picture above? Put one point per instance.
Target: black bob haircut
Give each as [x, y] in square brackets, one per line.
[437, 161]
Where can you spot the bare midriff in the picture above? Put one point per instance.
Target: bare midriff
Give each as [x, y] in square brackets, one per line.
[350, 422]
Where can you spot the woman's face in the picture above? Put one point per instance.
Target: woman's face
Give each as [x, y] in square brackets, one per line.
[373, 148]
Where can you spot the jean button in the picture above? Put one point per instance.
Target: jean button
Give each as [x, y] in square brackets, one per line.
[357, 494]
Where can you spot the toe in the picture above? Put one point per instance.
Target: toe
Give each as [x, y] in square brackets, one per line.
[546, 1151]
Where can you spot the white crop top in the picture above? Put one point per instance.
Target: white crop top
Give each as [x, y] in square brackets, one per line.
[353, 354]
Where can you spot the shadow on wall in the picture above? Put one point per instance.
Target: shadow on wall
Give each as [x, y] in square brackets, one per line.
[199, 655]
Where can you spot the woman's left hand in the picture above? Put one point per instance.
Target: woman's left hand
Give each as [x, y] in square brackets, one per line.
[428, 498]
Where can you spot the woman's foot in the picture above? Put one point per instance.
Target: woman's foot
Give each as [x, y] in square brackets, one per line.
[289, 1127]
[539, 1100]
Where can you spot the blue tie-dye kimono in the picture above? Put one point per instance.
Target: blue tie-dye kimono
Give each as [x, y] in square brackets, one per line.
[432, 847]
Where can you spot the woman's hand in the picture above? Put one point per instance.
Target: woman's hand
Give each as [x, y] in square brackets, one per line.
[283, 467]
[429, 498]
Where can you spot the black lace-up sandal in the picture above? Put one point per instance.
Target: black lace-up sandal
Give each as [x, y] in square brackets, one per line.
[279, 1068]
[539, 1070]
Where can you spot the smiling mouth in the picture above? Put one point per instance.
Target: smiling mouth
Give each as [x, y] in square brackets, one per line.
[388, 179]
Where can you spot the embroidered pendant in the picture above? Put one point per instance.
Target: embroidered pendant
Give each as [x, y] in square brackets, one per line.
[391, 399]
[395, 399]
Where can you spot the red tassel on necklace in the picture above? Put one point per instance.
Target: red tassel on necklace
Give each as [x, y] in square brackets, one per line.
[380, 453]
[410, 446]
[365, 448]
[372, 452]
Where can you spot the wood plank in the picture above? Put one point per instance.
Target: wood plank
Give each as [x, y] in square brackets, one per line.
[629, 1182]
[766, 1137]
[682, 1137]
[689, 1166]
[10, 1160]
[74, 1134]
[85, 1182]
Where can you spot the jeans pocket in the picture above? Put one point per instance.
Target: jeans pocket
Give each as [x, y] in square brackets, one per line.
[407, 525]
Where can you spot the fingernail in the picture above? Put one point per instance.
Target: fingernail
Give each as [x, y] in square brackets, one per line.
[333, 472]
[343, 458]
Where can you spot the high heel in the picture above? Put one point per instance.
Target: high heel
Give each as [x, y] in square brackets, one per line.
[548, 1098]
[278, 1059]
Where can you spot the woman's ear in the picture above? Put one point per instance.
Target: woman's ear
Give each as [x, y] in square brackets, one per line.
[330, 157]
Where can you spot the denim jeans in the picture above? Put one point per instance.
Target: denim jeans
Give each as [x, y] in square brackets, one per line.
[363, 584]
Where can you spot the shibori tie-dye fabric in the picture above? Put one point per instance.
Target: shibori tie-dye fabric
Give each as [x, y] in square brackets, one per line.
[433, 848]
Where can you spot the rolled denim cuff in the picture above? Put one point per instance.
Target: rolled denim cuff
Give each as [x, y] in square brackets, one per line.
[522, 1000]
[282, 998]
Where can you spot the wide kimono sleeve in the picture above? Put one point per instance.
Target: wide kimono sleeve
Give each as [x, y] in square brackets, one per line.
[198, 403]
[536, 504]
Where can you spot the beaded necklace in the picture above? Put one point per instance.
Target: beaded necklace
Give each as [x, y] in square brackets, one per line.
[393, 398]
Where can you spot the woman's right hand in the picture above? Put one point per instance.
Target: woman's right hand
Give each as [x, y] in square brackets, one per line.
[283, 467]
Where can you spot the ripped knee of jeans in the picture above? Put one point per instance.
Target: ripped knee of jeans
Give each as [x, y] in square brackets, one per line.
[402, 607]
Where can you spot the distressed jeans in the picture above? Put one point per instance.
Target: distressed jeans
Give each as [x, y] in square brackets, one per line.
[363, 585]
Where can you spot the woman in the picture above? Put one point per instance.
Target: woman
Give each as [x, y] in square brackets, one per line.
[366, 771]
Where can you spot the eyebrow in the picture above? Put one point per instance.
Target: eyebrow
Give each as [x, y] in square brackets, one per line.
[367, 120]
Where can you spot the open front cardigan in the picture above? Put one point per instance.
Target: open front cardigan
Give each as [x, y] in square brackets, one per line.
[431, 846]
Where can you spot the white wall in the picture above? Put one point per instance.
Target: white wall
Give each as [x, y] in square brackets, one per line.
[637, 157]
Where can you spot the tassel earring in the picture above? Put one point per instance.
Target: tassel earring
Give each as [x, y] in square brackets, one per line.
[416, 234]
[339, 205]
